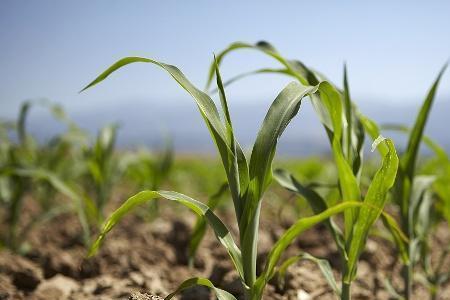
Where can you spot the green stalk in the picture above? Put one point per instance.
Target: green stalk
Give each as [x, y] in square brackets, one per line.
[250, 249]
[407, 272]
[346, 294]
[14, 216]
[434, 291]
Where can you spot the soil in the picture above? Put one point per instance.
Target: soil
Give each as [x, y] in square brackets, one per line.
[143, 260]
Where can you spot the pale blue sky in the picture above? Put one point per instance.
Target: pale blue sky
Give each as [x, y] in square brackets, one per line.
[393, 49]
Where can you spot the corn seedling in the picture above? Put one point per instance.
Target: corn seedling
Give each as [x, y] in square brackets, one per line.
[426, 212]
[148, 171]
[101, 169]
[411, 192]
[346, 135]
[247, 180]
[24, 163]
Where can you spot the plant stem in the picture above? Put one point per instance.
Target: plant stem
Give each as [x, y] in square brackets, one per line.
[346, 287]
[407, 277]
[434, 291]
[250, 250]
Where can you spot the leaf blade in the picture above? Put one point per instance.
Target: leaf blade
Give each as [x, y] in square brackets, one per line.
[222, 233]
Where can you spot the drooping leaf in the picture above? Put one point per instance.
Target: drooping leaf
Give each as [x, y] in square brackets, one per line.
[293, 67]
[63, 188]
[210, 114]
[238, 77]
[399, 238]
[315, 201]
[291, 234]
[221, 231]
[220, 294]
[199, 229]
[432, 145]
[323, 264]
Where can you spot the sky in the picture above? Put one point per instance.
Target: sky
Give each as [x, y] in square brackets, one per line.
[51, 49]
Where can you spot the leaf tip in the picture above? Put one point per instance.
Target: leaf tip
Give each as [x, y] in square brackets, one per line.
[377, 141]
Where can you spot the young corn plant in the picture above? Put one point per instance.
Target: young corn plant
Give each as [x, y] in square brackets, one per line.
[147, 170]
[27, 168]
[431, 202]
[437, 274]
[412, 192]
[102, 171]
[247, 180]
[346, 135]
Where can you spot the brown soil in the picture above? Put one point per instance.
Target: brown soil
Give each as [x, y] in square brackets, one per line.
[150, 258]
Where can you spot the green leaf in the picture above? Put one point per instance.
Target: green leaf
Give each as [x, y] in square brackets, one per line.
[238, 77]
[281, 112]
[374, 131]
[106, 140]
[21, 126]
[200, 225]
[56, 110]
[221, 294]
[205, 104]
[376, 198]
[290, 235]
[315, 201]
[323, 264]
[432, 145]
[408, 161]
[295, 68]
[348, 183]
[221, 231]
[219, 132]
[420, 212]
[237, 163]
[63, 188]
[348, 114]
[399, 238]
[328, 107]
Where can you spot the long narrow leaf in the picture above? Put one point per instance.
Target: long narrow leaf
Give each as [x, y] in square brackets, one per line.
[347, 180]
[219, 132]
[238, 167]
[281, 112]
[375, 197]
[419, 126]
[323, 264]
[291, 234]
[221, 231]
[295, 68]
[64, 189]
[315, 201]
[221, 294]
[200, 225]
[408, 161]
